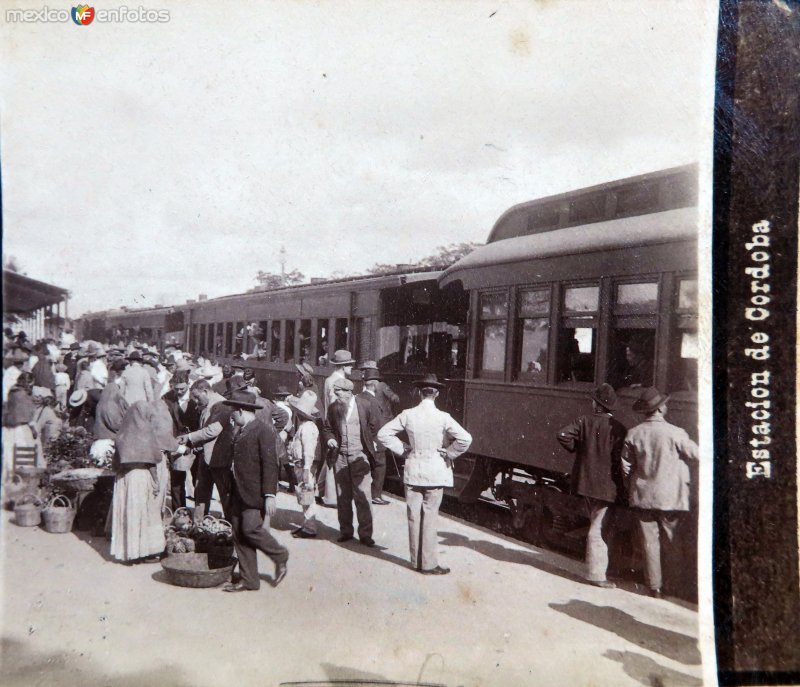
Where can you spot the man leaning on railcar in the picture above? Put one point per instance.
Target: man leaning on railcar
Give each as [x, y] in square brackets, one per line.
[655, 459]
[596, 440]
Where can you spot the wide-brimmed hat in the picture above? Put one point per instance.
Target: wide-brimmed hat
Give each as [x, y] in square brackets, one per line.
[649, 400]
[135, 356]
[305, 369]
[371, 373]
[341, 357]
[343, 383]
[243, 400]
[206, 372]
[78, 398]
[369, 365]
[605, 396]
[306, 405]
[74, 346]
[95, 349]
[428, 381]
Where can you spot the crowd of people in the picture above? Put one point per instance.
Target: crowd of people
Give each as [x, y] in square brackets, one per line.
[177, 426]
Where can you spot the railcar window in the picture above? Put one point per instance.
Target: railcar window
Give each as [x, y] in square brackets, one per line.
[438, 347]
[342, 331]
[322, 342]
[229, 338]
[305, 341]
[684, 343]
[532, 332]
[492, 333]
[577, 336]
[219, 339]
[240, 334]
[289, 354]
[633, 335]
[275, 342]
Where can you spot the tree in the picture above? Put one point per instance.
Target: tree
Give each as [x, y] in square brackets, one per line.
[268, 280]
[441, 259]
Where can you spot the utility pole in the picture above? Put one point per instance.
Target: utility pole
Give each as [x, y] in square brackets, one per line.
[282, 259]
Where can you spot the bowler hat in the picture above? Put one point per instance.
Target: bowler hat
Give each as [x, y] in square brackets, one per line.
[306, 405]
[282, 391]
[78, 398]
[369, 365]
[342, 357]
[649, 400]
[135, 356]
[74, 346]
[343, 383]
[428, 381]
[243, 400]
[371, 374]
[605, 396]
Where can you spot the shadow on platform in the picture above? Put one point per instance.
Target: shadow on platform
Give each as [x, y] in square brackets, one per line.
[505, 555]
[22, 667]
[101, 545]
[673, 645]
[649, 673]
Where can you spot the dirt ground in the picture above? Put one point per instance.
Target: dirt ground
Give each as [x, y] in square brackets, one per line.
[508, 614]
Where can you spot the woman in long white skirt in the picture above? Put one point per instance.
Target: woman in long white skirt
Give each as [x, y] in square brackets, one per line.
[142, 482]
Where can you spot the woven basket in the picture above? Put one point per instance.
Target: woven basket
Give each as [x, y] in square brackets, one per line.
[58, 519]
[193, 570]
[27, 514]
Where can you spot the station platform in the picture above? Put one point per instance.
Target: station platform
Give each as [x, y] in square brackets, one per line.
[508, 614]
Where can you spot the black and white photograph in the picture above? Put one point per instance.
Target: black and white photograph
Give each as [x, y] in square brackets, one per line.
[361, 342]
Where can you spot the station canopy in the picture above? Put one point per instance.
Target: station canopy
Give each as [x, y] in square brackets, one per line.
[23, 295]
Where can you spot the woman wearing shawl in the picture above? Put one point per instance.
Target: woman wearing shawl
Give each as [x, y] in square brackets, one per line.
[140, 489]
[19, 428]
[112, 406]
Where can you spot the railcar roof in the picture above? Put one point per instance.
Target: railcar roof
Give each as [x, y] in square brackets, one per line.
[627, 232]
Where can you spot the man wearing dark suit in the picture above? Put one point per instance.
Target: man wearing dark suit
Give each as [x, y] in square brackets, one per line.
[215, 436]
[185, 419]
[350, 427]
[255, 483]
[384, 398]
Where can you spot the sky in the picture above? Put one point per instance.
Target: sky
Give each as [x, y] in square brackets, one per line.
[146, 163]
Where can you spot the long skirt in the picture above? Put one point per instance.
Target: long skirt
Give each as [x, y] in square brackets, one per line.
[137, 530]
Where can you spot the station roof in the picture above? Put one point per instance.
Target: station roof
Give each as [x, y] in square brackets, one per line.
[22, 294]
[628, 232]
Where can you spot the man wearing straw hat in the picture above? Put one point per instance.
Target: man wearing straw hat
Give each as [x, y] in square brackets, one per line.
[655, 459]
[305, 455]
[253, 490]
[428, 468]
[596, 440]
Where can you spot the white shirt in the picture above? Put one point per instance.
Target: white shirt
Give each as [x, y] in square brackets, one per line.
[99, 372]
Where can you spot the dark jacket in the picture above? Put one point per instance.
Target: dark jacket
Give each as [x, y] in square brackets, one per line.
[43, 373]
[183, 421]
[386, 400]
[255, 467]
[215, 435]
[368, 417]
[596, 440]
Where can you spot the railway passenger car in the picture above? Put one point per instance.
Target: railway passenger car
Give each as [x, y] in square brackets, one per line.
[571, 291]
[156, 326]
[404, 322]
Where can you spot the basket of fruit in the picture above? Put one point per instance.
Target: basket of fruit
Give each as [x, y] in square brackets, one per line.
[28, 511]
[196, 570]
